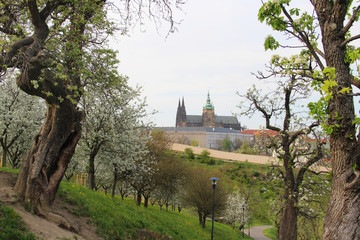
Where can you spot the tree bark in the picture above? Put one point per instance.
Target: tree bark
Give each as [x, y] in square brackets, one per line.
[342, 220]
[146, 201]
[138, 199]
[91, 171]
[3, 156]
[45, 164]
[114, 182]
[288, 221]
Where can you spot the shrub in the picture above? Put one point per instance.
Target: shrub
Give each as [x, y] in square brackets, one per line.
[189, 153]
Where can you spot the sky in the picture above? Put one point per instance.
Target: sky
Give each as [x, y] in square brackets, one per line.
[215, 49]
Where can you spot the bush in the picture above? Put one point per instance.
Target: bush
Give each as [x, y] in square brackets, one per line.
[205, 154]
[189, 153]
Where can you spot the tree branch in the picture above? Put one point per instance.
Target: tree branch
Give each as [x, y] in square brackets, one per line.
[351, 21]
[303, 37]
[349, 40]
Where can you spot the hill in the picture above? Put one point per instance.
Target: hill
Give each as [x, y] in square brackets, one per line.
[94, 215]
[258, 159]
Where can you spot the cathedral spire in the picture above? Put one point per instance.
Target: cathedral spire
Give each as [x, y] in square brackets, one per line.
[183, 103]
[208, 104]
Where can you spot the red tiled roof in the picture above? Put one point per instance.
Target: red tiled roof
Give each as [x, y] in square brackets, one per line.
[259, 132]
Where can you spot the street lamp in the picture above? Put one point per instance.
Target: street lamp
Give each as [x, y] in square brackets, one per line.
[243, 207]
[213, 180]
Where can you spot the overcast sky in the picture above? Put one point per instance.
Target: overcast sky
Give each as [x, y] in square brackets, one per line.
[217, 46]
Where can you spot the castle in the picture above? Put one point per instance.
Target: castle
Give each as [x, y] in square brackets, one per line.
[207, 119]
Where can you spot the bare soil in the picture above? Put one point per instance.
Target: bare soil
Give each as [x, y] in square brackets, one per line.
[82, 228]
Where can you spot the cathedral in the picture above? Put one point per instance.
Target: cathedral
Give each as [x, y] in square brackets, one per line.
[207, 119]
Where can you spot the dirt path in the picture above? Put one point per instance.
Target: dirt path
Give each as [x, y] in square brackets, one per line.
[226, 155]
[257, 232]
[258, 159]
[42, 228]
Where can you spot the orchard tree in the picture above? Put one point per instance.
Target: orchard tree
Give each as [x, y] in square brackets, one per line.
[234, 212]
[198, 193]
[325, 35]
[48, 42]
[292, 148]
[20, 118]
[113, 111]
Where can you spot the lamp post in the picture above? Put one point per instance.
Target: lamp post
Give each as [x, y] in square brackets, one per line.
[243, 207]
[213, 180]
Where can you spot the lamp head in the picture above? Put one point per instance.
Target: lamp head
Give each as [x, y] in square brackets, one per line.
[214, 180]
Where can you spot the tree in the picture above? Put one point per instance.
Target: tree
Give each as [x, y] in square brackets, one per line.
[325, 35]
[20, 119]
[246, 148]
[292, 147]
[234, 210]
[113, 111]
[48, 42]
[194, 142]
[198, 194]
[226, 144]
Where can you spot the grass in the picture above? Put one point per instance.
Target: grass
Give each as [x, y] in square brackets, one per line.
[270, 233]
[6, 169]
[122, 219]
[11, 226]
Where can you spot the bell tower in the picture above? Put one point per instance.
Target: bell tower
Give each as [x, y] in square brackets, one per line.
[208, 114]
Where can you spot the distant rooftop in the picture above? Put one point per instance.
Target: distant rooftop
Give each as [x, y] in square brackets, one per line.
[259, 132]
[197, 129]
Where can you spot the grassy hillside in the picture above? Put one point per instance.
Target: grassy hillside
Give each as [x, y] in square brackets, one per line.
[122, 219]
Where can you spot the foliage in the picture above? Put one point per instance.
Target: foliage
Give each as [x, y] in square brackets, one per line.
[246, 148]
[11, 226]
[327, 60]
[21, 116]
[226, 144]
[194, 142]
[115, 119]
[236, 209]
[189, 153]
[198, 193]
[205, 154]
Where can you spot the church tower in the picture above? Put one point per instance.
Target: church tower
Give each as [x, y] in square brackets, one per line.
[208, 115]
[181, 115]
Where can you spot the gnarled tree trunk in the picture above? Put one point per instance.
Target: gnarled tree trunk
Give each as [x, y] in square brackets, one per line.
[45, 164]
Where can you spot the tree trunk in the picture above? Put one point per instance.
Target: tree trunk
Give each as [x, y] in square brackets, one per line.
[3, 156]
[203, 220]
[138, 199]
[44, 165]
[91, 171]
[146, 201]
[288, 220]
[342, 220]
[200, 218]
[114, 182]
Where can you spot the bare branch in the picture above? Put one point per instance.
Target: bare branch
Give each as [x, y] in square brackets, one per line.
[351, 21]
[349, 40]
